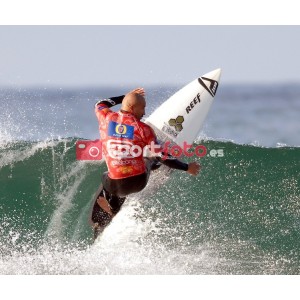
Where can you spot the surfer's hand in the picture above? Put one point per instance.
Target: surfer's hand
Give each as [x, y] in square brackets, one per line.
[194, 168]
[139, 91]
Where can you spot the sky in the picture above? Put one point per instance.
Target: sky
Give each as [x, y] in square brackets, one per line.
[121, 55]
[125, 55]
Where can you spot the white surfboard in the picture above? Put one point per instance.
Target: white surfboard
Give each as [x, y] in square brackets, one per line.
[180, 118]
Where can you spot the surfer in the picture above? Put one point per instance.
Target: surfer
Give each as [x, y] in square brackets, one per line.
[127, 173]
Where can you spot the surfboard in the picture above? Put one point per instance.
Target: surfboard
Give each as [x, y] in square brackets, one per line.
[180, 118]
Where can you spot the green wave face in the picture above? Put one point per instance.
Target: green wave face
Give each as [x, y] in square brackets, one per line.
[240, 215]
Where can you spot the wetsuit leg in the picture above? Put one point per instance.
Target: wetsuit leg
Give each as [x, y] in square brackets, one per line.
[115, 192]
[99, 218]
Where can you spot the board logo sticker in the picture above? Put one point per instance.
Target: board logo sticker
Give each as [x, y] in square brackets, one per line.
[120, 130]
[177, 123]
[170, 131]
[192, 104]
[209, 84]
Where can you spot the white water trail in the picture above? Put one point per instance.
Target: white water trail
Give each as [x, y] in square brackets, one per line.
[69, 183]
[12, 156]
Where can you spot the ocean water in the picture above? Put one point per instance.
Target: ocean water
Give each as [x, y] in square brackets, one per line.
[240, 215]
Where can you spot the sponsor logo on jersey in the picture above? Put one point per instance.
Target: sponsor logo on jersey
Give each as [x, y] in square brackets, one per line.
[125, 169]
[124, 162]
[120, 130]
[101, 106]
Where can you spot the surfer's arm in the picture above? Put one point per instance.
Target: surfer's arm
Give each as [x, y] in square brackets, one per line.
[102, 107]
[162, 156]
[173, 162]
[167, 159]
[110, 102]
[192, 168]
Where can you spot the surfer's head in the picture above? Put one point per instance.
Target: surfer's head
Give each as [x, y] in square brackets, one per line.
[134, 102]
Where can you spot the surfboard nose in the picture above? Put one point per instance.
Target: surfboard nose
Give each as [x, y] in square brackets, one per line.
[214, 75]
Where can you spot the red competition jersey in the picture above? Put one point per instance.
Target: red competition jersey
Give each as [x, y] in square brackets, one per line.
[123, 137]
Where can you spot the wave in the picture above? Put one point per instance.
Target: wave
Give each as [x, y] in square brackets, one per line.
[240, 215]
